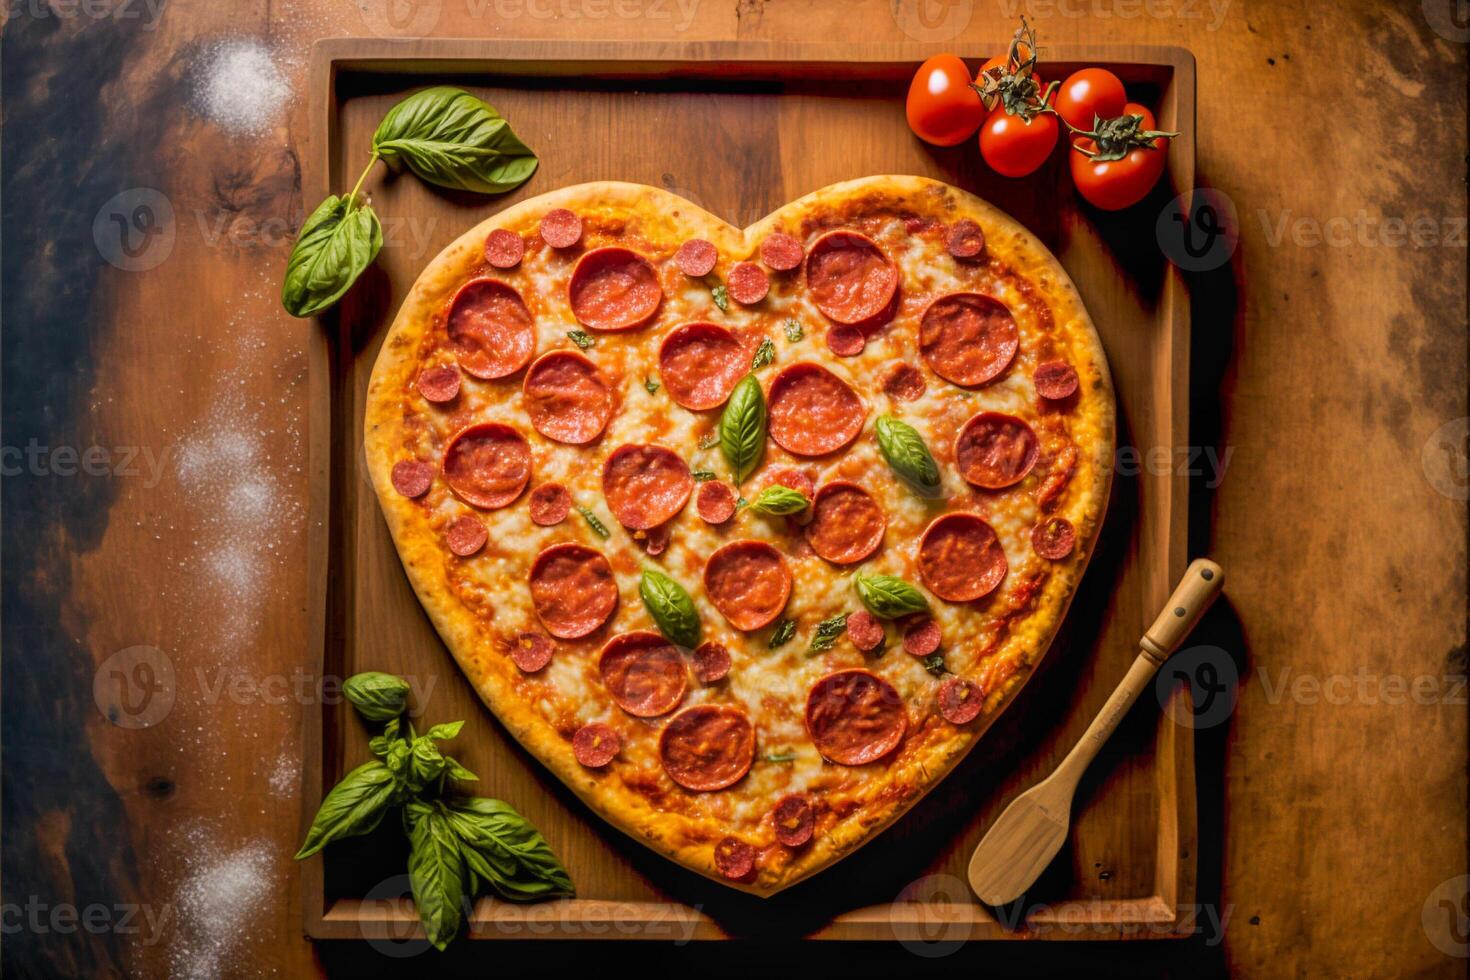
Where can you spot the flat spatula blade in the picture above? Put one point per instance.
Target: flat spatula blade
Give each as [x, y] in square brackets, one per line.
[1017, 849]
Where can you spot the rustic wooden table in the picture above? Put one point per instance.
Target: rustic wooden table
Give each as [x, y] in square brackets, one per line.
[155, 492]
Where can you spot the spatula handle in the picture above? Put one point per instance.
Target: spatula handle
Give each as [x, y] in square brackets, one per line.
[1196, 590]
[1192, 596]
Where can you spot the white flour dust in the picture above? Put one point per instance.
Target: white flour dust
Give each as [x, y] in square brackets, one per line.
[240, 88]
[285, 777]
[222, 893]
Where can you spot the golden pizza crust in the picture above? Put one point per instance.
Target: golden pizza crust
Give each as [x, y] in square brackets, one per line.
[664, 216]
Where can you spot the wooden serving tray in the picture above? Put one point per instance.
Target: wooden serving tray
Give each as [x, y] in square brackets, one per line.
[741, 128]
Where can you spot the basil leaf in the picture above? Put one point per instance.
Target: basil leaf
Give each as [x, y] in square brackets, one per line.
[426, 763]
[826, 634]
[888, 596]
[581, 338]
[448, 730]
[780, 757]
[764, 354]
[906, 453]
[448, 137]
[436, 873]
[782, 634]
[377, 696]
[457, 771]
[779, 500]
[355, 806]
[670, 607]
[337, 242]
[722, 298]
[650, 385]
[743, 428]
[703, 476]
[500, 846]
[793, 330]
[934, 664]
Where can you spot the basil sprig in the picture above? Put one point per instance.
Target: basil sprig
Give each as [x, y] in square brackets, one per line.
[824, 637]
[448, 137]
[376, 696]
[670, 607]
[445, 136]
[888, 596]
[337, 242]
[458, 846]
[743, 428]
[779, 501]
[909, 457]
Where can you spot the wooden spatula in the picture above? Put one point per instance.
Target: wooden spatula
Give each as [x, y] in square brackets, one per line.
[1032, 829]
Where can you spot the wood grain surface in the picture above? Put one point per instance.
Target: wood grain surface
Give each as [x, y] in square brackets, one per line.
[1329, 371]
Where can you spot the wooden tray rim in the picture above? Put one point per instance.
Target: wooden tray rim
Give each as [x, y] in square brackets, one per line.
[1163, 914]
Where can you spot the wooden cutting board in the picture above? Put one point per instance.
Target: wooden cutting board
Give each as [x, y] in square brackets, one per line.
[740, 128]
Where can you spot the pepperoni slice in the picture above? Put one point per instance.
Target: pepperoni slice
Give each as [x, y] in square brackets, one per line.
[922, 637]
[700, 364]
[412, 478]
[847, 523]
[567, 398]
[965, 239]
[748, 284]
[1054, 538]
[904, 382]
[865, 630]
[855, 717]
[715, 502]
[734, 858]
[532, 651]
[614, 288]
[968, 338]
[504, 249]
[793, 479]
[465, 536]
[696, 258]
[439, 384]
[959, 700]
[711, 662]
[561, 228]
[1055, 380]
[850, 278]
[645, 485]
[707, 747]
[492, 332]
[573, 590]
[960, 557]
[487, 465]
[812, 411]
[596, 744]
[794, 820]
[748, 582]
[644, 673]
[994, 450]
[550, 504]
[845, 340]
[781, 252]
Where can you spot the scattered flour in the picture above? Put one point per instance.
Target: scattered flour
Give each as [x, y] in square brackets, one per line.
[222, 892]
[240, 88]
[285, 778]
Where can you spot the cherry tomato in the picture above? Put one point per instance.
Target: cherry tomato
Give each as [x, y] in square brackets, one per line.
[1116, 184]
[942, 108]
[1013, 146]
[1090, 93]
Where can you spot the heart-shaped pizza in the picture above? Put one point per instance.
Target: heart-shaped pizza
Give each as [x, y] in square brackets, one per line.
[746, 535]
